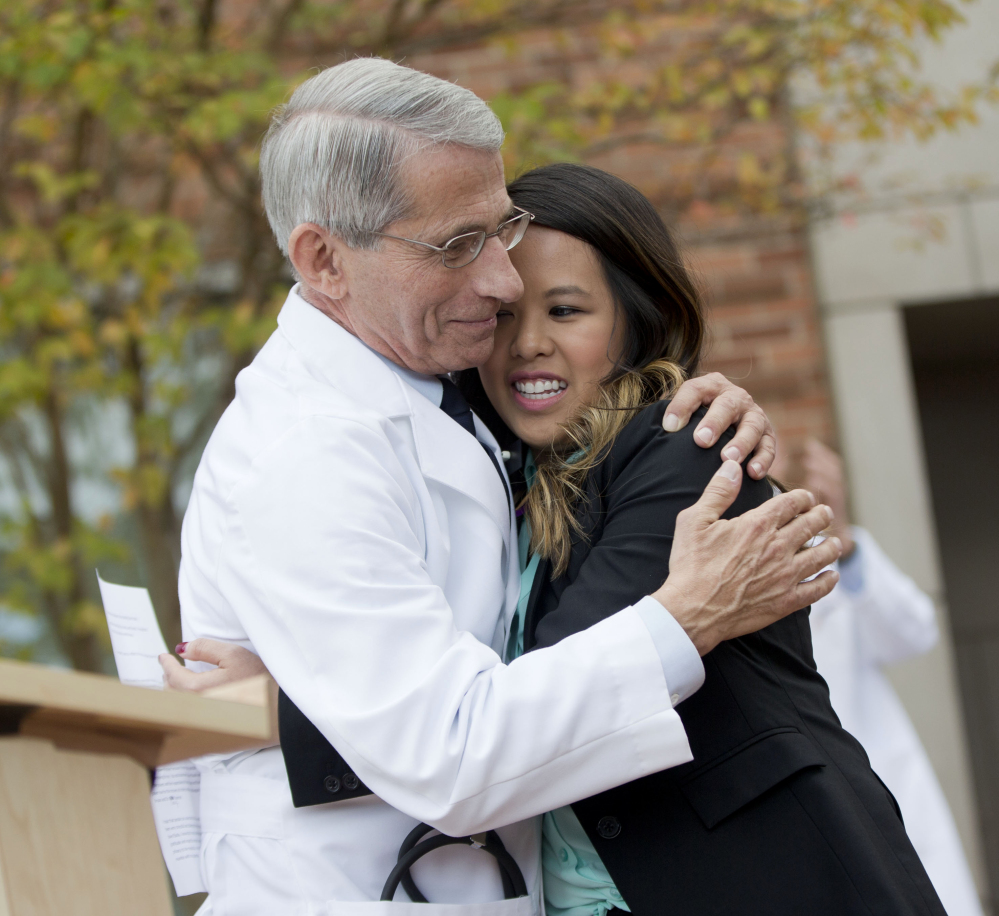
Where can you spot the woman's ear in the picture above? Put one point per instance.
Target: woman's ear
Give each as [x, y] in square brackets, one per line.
[318, 257]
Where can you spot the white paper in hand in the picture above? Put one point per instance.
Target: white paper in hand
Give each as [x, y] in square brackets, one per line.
[137, 643]
[135, 634]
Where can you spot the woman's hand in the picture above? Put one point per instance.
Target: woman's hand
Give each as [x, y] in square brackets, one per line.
[729, 405]
[234, 663]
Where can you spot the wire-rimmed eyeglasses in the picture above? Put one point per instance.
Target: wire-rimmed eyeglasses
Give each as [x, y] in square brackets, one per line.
[465, 248]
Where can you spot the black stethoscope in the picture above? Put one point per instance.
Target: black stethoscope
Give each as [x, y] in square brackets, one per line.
[412, 850]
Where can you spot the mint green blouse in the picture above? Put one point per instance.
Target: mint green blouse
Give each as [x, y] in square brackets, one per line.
[576, 881]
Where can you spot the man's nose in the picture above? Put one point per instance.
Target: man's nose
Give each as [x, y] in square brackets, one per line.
[495, 275]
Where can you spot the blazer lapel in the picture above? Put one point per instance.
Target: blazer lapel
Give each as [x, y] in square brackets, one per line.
[531, 621]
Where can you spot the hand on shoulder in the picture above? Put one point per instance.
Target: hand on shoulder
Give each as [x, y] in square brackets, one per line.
[731, 577]
[728, 405]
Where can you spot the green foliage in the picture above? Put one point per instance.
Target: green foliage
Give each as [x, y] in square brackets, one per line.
[137, 272]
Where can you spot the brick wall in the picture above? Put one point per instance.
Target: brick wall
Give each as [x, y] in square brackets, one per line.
[764, 328]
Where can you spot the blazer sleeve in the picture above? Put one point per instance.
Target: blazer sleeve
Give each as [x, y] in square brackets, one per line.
[651, 477]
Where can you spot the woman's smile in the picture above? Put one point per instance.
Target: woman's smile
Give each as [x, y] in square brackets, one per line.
[537, 390]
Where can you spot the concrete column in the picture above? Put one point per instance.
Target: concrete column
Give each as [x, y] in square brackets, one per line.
[880, 434]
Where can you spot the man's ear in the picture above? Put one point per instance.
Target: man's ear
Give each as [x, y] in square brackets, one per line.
[318, 257]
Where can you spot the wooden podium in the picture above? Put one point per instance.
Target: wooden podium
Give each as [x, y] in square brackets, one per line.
[76, 829]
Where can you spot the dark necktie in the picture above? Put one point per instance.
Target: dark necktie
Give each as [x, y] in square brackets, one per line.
[453, 403]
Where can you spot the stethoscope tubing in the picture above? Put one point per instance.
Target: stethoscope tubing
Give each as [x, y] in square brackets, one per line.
[412, 850]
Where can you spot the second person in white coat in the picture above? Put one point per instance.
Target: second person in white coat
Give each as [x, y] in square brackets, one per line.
[877, 616]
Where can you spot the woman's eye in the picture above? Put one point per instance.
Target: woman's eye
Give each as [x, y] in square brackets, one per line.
[502, 313]
[563, 311]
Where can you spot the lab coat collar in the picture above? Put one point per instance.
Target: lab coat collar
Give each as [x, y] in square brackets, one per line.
[334, 354]
[446, 453]
[428, 385]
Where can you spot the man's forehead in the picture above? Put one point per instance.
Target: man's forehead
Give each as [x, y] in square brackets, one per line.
[469, 217]
[455, 188]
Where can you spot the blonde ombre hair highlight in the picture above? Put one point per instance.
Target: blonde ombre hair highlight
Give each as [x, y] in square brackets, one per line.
[558, 485]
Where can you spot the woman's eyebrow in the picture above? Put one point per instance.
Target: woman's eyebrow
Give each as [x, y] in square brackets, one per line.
[565, 291]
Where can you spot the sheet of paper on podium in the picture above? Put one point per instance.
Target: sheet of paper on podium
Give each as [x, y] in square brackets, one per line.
[137, 643]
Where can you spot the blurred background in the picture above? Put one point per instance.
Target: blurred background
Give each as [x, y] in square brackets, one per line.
[832, 168]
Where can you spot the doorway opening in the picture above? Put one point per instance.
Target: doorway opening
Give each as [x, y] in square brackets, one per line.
[954, 348]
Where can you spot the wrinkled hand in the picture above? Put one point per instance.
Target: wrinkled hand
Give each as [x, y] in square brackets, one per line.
[729, 405]
[730, 577]
[825, 479]
[234, 663]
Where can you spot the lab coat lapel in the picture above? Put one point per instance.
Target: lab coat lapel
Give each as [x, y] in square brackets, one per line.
[337, 356]
[450, 456]
[447, 453]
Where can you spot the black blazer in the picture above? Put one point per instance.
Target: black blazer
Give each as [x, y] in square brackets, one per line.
[779, 813]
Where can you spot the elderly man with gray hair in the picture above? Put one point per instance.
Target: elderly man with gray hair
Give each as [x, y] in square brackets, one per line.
[345, 528]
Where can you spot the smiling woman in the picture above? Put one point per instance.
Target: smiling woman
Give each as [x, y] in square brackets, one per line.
[609, 322]
[779, 813]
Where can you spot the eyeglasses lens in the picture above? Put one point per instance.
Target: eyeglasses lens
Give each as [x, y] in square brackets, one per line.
[513, 230]
[464, 249]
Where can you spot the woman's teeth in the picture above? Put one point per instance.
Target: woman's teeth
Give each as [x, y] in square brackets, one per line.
[540, 389]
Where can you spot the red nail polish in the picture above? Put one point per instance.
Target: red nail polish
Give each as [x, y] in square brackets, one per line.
[180, 648]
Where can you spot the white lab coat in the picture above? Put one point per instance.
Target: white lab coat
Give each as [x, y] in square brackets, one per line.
[356, 538]
[855, 634]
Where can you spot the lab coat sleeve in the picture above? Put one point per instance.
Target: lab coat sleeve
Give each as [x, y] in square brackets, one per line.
[324, 565]
[895, 620]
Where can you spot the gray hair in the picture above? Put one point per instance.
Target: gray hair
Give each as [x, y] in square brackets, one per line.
[332, 153]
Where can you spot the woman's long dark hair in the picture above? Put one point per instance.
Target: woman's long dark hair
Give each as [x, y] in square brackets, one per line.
[662, 336]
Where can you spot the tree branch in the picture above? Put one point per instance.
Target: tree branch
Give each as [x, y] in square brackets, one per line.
[215, 180]
[18, 478]
[11, 98]
[14, 440]
[393, 23]
[206, 23]
[58, 466]
[78, 151]
[279, 26]
[519, 18]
